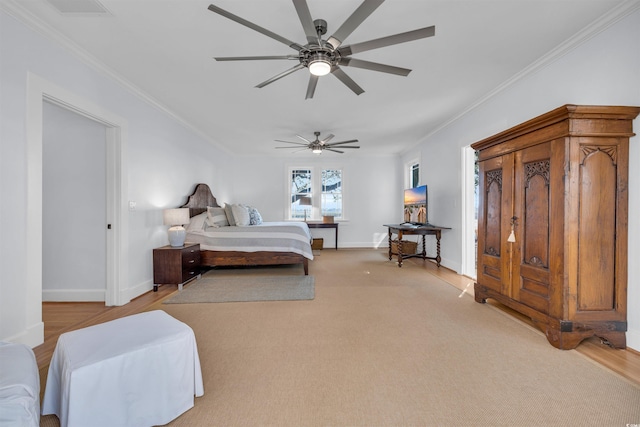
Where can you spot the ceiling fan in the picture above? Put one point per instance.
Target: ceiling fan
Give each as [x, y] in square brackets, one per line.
[322, 56]
[319, 145]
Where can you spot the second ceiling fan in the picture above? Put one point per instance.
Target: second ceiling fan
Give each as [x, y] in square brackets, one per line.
[319, 145]
[322, 56]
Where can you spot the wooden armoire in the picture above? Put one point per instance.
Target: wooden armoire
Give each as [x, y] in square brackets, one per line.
[552, 222]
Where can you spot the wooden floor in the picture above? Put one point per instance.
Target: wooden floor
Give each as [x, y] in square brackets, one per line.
[62, 317]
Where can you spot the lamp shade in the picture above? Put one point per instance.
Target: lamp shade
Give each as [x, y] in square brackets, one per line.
[179, 216]
[305, 201]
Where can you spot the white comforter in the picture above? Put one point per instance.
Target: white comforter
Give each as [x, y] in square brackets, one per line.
[268, 236]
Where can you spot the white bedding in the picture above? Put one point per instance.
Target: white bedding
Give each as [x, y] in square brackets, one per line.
[268, 236]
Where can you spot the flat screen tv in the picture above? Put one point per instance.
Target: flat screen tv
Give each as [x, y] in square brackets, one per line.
[415, 205]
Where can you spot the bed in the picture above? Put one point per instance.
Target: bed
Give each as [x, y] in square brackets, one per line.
[269, 243]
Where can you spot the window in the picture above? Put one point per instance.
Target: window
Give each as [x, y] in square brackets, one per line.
[315, 193]
[301, 196]
[331, 204]
[414, 175]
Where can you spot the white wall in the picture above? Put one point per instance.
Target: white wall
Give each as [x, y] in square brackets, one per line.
[372, 187]
[164, 160]
[604, 70]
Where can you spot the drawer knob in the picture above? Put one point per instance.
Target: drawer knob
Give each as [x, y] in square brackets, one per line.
[192, 261]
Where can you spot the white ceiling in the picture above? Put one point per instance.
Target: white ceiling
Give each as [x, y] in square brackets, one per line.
[165, 48]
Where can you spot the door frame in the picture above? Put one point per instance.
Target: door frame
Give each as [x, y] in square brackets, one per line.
[39, 90]
[469, 224]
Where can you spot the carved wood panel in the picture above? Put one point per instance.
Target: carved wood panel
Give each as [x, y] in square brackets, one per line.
[596, 247]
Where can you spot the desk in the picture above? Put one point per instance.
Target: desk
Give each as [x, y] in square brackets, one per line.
[139, 370]
[333, 225]
[423, 230]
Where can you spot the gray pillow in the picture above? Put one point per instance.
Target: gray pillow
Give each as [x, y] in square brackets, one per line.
[229, 213]
[217, 217]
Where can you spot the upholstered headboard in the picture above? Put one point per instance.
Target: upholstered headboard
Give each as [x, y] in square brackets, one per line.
[199, 200]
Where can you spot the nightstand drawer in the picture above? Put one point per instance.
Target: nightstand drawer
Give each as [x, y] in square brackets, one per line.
[190, 256]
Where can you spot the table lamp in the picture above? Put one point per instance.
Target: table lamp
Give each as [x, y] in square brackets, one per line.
[176, 218]
[305, 201]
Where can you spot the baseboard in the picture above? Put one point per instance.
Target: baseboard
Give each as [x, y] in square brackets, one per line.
[633, 339]
[73, 295]
[128, 294]
[33, 336]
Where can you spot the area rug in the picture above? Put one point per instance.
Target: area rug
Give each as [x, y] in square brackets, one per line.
[249, 288]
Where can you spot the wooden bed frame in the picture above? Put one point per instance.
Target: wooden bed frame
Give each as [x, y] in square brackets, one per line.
[198, 202]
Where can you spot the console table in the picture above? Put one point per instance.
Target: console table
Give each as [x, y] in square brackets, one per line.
[333, 225]
[422, 230]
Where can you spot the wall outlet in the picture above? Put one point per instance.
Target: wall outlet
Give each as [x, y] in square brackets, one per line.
[132, 205]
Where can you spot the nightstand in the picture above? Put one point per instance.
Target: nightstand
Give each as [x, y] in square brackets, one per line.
[175, 265]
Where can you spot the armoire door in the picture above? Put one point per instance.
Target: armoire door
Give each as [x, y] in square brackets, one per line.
[538, 218]
[494, 211]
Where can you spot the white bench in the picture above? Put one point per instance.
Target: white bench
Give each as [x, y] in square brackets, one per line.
[139, 370]
[19, 386]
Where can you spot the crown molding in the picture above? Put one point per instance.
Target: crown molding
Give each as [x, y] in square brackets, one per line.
[593, 29]
[14, 9]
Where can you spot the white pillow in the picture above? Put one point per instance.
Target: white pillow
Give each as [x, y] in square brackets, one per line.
[197, 223]
[217, 217]
[240, 215]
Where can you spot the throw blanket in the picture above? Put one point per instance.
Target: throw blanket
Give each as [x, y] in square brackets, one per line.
[268, 236]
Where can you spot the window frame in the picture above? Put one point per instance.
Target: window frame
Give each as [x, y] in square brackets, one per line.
[409, 168]
[316, 191]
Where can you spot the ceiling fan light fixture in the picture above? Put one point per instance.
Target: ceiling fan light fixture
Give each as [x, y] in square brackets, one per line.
[317, 150]
[319, 65]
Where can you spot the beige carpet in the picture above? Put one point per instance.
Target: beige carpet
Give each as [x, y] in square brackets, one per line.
[383, 346]
[213, 288]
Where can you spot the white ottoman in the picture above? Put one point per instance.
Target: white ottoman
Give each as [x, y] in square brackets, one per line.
[19, 386]
[140, 370]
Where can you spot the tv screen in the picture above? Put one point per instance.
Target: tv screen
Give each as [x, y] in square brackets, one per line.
[415, 205]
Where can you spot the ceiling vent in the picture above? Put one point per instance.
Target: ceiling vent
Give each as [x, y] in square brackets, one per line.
[79, 7]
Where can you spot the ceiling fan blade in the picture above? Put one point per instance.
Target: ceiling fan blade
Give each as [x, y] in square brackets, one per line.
[342, 146]
[357, 17]
[254, 27]
[304, 139]
[288, 147]
[327, 139]
[374, 66]
[311, 88]
[289, 142]
[335, 151]
[342, 76]
[341, 142]
[307, 21]
[388, 41]
[252, 58]
[281, 75]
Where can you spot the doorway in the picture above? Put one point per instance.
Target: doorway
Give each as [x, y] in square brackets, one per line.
[40, 90]
[74, 200]
[469, 211]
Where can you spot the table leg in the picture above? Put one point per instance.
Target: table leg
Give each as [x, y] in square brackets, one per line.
[390, 240]
[438, 248]
[424, 246]
[400, 248]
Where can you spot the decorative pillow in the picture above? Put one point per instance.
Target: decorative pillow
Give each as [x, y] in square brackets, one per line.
[254, 216]
[217, 217]
[197, 223]
[228, 212]
[240, 214]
